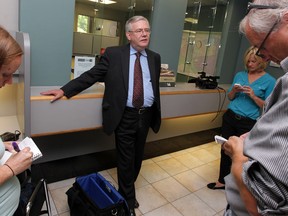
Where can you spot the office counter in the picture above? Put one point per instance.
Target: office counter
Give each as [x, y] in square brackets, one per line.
[72, 127]
[83, 111]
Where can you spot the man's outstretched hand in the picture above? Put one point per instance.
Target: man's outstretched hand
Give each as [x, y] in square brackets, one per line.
[57, 93]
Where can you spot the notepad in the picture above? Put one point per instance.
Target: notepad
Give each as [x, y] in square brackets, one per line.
[5, 157]
[28, 142]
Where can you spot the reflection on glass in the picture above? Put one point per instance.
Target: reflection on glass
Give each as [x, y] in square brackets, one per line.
[201, 37]
[105, 27]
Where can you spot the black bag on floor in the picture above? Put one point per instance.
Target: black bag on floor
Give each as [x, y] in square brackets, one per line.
[93, 195]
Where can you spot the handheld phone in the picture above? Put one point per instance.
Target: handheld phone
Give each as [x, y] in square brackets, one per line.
[219, 139]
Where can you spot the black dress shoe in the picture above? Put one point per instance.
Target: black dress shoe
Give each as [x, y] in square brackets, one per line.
[136, 205]
[132, 212]
[213, 186]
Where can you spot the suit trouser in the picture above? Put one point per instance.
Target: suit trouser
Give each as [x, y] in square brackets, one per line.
[232, 125]
[130, 137]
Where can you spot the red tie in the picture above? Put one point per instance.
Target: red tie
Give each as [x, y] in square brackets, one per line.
[138, 97]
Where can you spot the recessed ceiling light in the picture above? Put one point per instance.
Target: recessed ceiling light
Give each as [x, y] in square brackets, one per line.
[104, 1]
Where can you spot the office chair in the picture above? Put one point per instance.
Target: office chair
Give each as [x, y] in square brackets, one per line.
[38, 197]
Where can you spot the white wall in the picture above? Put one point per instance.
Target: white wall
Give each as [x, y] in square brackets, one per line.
[9, 14]
[9, 20]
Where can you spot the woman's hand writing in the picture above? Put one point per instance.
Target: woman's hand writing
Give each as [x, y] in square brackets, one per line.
[20, 161]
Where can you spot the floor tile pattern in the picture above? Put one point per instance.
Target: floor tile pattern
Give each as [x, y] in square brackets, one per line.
[173, 184]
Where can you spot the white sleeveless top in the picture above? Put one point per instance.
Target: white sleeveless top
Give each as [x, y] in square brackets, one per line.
[9, 191]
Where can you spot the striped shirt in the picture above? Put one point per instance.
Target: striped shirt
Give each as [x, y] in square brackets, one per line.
[266, 172]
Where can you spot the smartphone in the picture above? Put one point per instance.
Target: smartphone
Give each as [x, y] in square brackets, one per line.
[220, 139]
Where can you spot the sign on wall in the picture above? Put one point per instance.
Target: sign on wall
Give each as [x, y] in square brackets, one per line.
[82, 64]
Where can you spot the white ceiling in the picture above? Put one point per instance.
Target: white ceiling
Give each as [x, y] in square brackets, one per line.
[123, 5]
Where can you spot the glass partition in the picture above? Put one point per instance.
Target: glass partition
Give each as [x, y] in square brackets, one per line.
[201, 38]
[101, 23]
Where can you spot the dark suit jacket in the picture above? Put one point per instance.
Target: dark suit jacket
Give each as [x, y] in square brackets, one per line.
[113, 69]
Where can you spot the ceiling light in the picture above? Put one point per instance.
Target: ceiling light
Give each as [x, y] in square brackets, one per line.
[104, 1]
[191, 20]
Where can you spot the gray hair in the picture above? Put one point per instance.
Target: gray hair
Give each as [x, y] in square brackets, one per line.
[261, 20]
[133, 20]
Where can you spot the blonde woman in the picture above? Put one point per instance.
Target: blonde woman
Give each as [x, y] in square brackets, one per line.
[247, 95]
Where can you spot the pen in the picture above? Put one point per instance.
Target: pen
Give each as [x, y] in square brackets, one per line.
[15, 146]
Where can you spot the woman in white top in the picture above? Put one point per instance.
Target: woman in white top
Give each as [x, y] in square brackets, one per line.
[10, 60]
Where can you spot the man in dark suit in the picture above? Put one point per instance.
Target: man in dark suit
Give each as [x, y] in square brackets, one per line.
[129, 122]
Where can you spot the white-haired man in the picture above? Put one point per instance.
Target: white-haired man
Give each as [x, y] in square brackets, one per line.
[258, 182]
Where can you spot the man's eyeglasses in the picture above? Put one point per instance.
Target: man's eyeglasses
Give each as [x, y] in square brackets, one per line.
[256, 6]
[258, 53]
[141, 31]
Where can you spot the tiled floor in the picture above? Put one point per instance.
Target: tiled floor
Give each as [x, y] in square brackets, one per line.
[172, 185]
